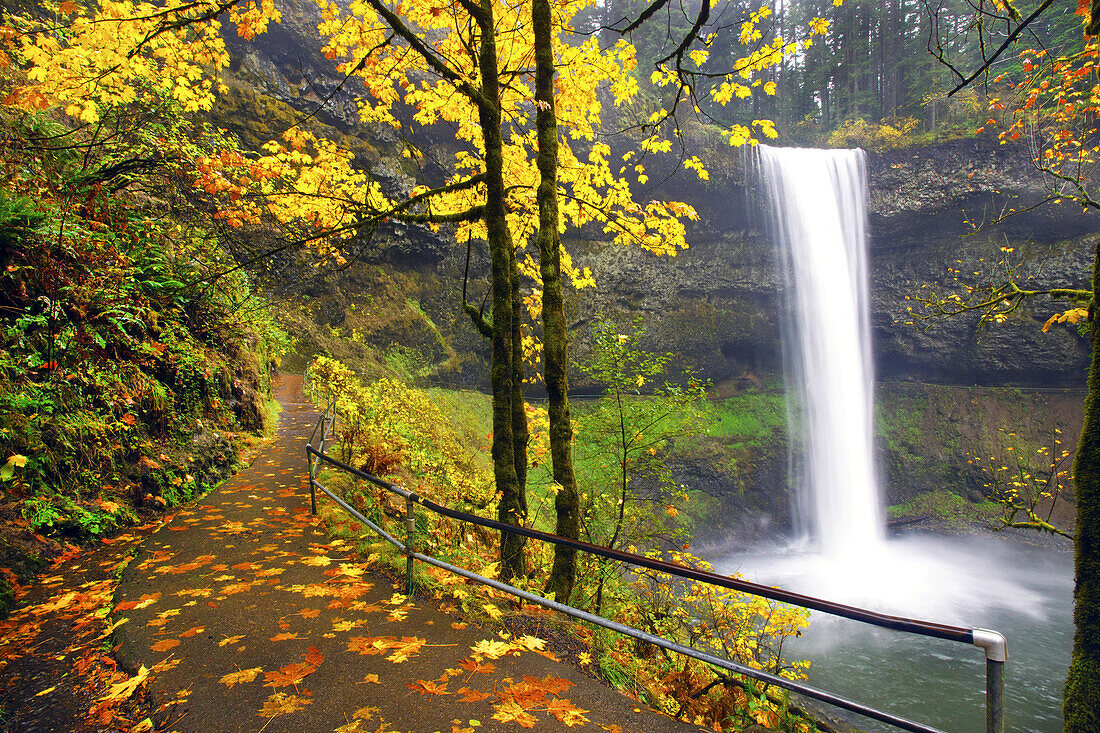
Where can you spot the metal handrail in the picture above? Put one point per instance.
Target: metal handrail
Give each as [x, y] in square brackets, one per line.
[991, 642]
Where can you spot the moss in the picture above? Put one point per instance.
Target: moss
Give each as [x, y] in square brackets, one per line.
[946, 507]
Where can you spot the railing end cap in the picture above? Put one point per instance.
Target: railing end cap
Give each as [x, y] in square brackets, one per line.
[993, 642]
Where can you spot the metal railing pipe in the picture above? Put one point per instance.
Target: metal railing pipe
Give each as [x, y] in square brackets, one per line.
[410, 543]
[991, 642]
[357, 515]
[756, 674]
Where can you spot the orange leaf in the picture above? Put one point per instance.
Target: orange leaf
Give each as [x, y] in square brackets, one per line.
[565, 712]
[473, 665]
[163, 646]
[291, 674]
[424, 687]
[469, 695]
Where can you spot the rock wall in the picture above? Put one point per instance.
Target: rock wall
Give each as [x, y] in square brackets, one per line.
[716, 305]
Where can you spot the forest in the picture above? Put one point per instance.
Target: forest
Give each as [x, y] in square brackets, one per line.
[551, 266]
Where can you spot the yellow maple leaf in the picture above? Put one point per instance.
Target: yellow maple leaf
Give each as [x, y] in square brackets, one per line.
[492, 649]
[531, 643]
[240, 676]
[565, 712]
[511, 712]
[122, 690]
[281, 703]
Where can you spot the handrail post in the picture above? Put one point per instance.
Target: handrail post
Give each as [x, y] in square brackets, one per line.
[994, 696]
[312, 482]
[996, 654]
[410, 537]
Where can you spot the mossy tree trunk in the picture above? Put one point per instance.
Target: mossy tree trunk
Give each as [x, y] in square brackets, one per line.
[1081, 705]
[509, 448]
[555, 341]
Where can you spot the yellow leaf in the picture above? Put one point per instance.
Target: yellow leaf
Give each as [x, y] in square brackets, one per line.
[240, 676]
[492, 649]
[511, 712]
[281, 703]
[122, 690]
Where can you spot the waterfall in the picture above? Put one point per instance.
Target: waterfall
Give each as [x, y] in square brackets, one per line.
[819, 222]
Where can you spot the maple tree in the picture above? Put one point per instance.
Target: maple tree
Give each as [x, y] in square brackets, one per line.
[467, 65]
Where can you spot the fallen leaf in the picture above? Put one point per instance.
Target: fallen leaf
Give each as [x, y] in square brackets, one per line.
[511, 712]
[469, 695]
[145, 601]
[492, 649]
[240, 676]
[291, 674]
[281, 703]
[165, 645]
[565, 712]
[425, 687]
[122, 690]
[475, 665]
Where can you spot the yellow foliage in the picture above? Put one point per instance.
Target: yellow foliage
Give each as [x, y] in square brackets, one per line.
[885, 135]
[1071, 316]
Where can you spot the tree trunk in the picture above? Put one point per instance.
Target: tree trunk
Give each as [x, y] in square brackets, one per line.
[517, 509]
[1081, 706]
[512, 507]
[555, 334]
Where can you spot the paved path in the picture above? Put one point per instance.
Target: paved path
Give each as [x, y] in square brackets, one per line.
[252, 620]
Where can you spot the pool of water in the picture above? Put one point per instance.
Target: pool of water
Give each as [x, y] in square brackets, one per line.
[1022, 591]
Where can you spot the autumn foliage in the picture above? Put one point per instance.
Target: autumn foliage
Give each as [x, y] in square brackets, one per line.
[392, 423]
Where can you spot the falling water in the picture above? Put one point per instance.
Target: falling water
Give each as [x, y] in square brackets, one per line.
[819, 222]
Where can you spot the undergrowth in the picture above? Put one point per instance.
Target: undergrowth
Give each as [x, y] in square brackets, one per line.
[128, 380]
[435, 444]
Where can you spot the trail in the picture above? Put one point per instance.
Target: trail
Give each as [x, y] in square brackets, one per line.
[250, 620]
